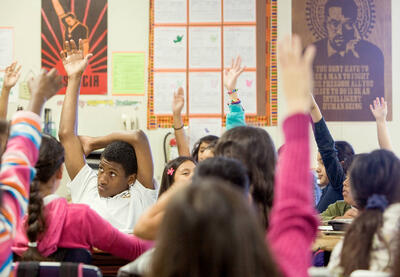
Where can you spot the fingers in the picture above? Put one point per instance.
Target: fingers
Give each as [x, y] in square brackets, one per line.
[88, 56]
[80, 45]
[180, 91]
[232, 63]
[12, 66]
[68, 48]
[18, 70]
[62, 55]
[73, 46]
[52, 73]
[296, 46]
[309, 55]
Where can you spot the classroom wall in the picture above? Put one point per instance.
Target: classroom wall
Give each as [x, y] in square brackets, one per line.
[128, 31]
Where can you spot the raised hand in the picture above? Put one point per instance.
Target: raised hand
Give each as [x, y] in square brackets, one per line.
[379, 109]
[296, 73]
[42, 88]
[178, 101]
[232, 73]
[74, 61]
[11, 75]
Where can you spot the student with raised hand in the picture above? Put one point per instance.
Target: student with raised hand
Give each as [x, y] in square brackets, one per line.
[371, 240]
[11, 76]
[53, 226]
[181, 139]
[123, 187]
[330, 169]
[293, 223]
[379, 110]
[236, 116]
[18, 160]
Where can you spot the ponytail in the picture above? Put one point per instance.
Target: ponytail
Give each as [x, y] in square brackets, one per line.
[357, 244]
[35, 224]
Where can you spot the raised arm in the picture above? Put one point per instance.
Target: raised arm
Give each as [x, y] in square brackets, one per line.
[139, 142]
[236, 116]
[18, 161]
[326, 147]
[379, 110]
[11, 76]
[293, 223]
[59, 9]
[75, 64]
[179, 132]
[149, 222]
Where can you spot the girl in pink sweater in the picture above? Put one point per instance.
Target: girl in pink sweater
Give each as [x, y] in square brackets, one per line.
[52, 223]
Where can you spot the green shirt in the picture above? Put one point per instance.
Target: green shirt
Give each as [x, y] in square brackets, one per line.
[339, 208]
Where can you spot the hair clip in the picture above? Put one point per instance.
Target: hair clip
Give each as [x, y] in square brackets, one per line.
[170, 171]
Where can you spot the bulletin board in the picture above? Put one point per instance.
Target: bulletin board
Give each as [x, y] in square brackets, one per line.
[192, 41]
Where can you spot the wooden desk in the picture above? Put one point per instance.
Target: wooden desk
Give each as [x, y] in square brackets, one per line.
[326, 242]
[108, 264]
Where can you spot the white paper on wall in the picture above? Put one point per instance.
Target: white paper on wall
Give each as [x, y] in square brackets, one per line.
[170, 11]
[165, 84]
[205, 47]
[205, 10]
[200, 127]
[169, 47]
[205, 93]
[239, 10]
[240, 41]
[6, 47]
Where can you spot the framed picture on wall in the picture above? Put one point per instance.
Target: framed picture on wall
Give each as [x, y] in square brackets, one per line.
[353, 63]
[73, 20]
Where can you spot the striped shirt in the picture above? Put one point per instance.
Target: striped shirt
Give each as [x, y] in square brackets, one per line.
[16, 174]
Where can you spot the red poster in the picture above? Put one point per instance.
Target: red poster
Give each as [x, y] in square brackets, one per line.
[76, 19]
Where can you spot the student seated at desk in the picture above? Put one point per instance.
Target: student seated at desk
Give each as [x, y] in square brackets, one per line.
[52, 223]
[123, 186]
[370, 241]
[342, 209]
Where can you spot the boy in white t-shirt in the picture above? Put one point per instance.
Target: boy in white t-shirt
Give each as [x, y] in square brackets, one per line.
[123, 186]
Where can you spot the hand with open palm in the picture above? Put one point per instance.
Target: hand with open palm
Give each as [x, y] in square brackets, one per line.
[74, 61]
[232, 73]
[178, 101]
[11, 75]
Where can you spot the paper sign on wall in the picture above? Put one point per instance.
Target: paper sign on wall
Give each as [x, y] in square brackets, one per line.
[128, 73]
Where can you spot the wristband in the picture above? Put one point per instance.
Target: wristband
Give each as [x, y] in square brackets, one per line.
[233, 91]
[176, 129]
[235, 101]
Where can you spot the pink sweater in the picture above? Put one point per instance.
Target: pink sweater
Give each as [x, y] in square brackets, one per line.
[293, 219]
[78, 226]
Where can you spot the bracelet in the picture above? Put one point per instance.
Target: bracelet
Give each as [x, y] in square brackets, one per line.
[235, 101]
[176, 129]
[233, 91]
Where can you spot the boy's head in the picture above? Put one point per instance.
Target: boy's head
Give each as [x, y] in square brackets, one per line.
[117, 168]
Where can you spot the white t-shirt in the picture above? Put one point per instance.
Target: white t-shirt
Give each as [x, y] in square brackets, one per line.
[121, 210]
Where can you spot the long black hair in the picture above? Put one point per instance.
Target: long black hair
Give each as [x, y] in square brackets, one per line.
[51, 157]
[375, 183]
